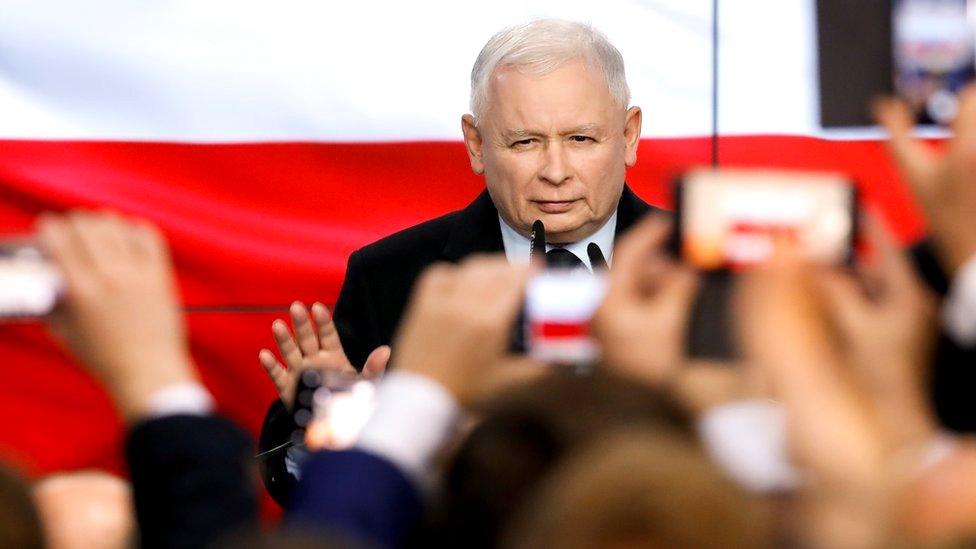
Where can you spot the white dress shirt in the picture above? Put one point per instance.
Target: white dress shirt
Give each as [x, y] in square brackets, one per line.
[517, 246]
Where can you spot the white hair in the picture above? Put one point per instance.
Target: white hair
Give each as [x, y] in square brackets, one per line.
[542, 46]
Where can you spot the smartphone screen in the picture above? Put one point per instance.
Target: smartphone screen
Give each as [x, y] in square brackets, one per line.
[558, 307]
[933, 49]
[341, 405]
[727, 218]
[30, 285]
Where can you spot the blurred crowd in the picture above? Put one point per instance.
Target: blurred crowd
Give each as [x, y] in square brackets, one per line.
[822, 434]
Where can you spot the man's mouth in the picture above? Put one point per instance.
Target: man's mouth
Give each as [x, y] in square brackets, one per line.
[554, 206]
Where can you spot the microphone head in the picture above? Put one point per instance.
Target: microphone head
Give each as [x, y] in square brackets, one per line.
[597, 261]
[537, 243]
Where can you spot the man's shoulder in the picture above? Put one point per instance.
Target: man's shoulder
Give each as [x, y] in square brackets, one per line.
[448, 237]
[415, 243]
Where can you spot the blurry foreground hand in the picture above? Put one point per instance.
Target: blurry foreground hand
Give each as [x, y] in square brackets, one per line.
[885, 319]
[834, 430]
[642, 322]
[120, 317]
[458, 325]
[944, 184]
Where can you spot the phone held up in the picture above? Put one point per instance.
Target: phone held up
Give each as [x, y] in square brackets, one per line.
[727, 219]
[30, 285]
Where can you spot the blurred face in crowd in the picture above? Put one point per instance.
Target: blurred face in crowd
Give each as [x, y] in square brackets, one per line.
[554, 148]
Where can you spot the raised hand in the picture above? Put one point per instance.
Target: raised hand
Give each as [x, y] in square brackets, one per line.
[834, 430]
[456, 329]
[886, 322]
[312, 346]
[642, 322]
[945, 184]
[121, 314]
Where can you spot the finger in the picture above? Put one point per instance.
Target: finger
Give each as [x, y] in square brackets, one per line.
[892, 268]
[57, 238]
[286, 344]
[328, 335]
[916, 161]
[275, 370]
[491, 280]
[147, 241]
[641, 242]
[308, 342]
[100, 239]
[964, 126]
[438, 278]
[846, 302]
[678, 292]
[376, 362]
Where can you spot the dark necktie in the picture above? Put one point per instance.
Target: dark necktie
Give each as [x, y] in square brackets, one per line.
[563, 258]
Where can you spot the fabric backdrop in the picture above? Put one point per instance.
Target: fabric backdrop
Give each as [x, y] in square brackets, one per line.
[270, 139]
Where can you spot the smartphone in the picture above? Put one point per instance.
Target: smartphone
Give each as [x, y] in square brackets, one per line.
[726, 219]
[331, 409]
[933, 55]
[30, 285]
[559, 305]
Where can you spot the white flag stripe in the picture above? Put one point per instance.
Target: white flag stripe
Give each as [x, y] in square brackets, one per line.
[376, 71]
[308, 70]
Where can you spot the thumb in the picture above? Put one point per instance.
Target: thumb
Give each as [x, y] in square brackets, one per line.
[376, 363]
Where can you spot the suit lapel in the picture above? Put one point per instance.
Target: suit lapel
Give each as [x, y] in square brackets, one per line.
[630, 210]
[475, 230]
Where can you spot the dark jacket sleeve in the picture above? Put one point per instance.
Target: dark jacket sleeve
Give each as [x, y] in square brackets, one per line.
[355, 313]
[191, 480]
[358, 494]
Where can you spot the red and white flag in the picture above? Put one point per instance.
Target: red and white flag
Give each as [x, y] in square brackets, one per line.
[270, 139]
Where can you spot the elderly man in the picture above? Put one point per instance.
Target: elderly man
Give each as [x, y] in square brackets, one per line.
[552, 133]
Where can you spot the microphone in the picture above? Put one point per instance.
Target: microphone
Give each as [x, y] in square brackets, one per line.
[597, 261]
[537, 243]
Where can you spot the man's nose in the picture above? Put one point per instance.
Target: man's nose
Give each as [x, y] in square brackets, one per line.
[556, 167]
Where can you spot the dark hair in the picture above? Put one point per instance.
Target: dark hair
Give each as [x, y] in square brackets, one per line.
[526, 432]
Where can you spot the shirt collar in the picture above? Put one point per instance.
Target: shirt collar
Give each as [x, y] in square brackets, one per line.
[517, 246]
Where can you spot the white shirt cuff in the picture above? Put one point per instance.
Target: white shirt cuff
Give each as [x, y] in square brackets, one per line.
[959, 310]
[189, 398]
[748, 441]
[413, 418]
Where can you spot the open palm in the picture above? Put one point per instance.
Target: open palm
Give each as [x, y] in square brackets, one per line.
[314, 346]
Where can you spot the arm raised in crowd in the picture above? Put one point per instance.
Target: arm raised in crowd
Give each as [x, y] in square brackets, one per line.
[452, 353]
[945, 185]
[121, 319]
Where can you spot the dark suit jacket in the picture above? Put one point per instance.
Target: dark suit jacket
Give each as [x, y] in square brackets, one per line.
[378, 283]
[358, 495]
[191, 481]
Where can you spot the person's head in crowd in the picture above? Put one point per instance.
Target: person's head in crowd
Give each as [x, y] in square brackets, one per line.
[640, 488]
[86, 509]
[550, 127]
[528, 430]
[20, 525]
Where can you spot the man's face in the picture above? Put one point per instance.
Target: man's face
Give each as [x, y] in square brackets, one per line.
[553, 148]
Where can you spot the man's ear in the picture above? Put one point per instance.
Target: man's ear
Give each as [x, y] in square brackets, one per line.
[473, 143]
[632, 133]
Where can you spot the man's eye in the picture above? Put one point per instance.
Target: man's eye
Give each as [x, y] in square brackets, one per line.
[523, 142]
[581, 138]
